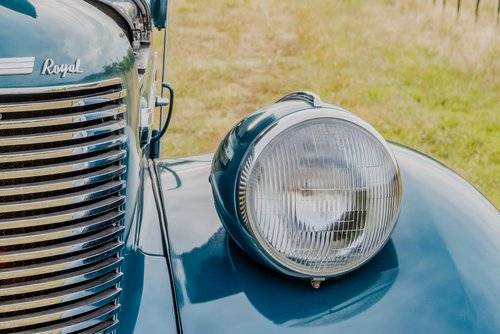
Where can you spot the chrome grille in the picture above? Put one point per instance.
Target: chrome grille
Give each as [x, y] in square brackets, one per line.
[62, 153]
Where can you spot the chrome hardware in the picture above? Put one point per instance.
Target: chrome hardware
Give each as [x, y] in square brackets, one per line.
[15, 66]
[86, 132]
[62, 203]
[63, 119]
[162, 101]
[40, 154]
[316, 282]
[146, 120]
[313, 99]
[65, 216]
[49, 67]
[84, 101]
[62, 89]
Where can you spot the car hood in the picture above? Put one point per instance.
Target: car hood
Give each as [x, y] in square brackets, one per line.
[438, 273]
[64, 31]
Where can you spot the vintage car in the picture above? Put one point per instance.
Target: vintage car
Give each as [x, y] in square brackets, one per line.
[305, 220]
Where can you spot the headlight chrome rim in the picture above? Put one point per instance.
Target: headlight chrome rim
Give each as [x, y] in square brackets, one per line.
[253, 153]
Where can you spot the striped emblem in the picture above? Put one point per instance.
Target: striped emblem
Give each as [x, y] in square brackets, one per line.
[18, 65]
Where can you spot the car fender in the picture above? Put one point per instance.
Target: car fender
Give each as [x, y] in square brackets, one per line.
[438, 273]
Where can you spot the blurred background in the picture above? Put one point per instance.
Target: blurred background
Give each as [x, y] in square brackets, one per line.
[424, 73]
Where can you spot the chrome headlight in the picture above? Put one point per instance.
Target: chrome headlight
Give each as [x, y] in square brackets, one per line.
[307, 188]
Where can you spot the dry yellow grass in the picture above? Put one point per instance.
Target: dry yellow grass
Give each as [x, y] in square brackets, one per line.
[417, 74]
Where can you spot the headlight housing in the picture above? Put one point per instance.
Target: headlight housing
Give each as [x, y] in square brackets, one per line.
[307, 188]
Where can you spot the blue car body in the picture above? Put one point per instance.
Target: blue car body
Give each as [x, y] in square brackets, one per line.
[438, 273]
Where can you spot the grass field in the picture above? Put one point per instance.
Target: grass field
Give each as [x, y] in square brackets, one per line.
[415, 72]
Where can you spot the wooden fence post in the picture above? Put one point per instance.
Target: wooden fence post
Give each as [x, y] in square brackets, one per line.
[477, 9]
[498, 12]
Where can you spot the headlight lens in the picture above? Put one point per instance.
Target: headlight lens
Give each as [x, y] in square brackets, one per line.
[320, 192]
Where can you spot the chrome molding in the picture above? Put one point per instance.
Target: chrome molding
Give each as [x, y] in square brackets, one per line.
[69, 263]
[66, 216]
[101, 321]
[63, 200]
[60, 281]
[90, 131]
[85, 290]
[61, 88]
[64, 119]
[84, 101]
[18, 65]
[52, 153]
[61, 184]
[65, 167]
[60, 232]
[59, 249]
[71, 310]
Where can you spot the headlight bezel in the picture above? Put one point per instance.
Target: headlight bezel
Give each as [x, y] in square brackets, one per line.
[242, 147]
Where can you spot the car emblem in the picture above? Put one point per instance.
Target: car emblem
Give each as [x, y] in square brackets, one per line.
[51, 68]
[17, 65]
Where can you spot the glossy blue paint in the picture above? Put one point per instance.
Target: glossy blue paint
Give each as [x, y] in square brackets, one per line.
[63, 32]
[438, 274]
[146, 299]
[147, 303]
[21, 6]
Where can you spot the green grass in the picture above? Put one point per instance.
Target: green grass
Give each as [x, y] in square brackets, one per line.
[418, 75]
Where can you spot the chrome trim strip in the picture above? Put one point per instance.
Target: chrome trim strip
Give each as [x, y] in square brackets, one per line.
[17, 65]
[63, 200]
[81, 101]
[93, 256]
[64, 216]
[61, 89]
[96, 319]
[60, 249]
[66, 167]
[59, 232]
[103, 328]
[73, 309]
[15, 60]
[50, 153]
[59, 281]
[62, 296]
[62, 184]
[90, 131]
[27, 123]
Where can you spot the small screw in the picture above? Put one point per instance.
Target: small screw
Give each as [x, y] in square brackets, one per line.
[316, 282]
